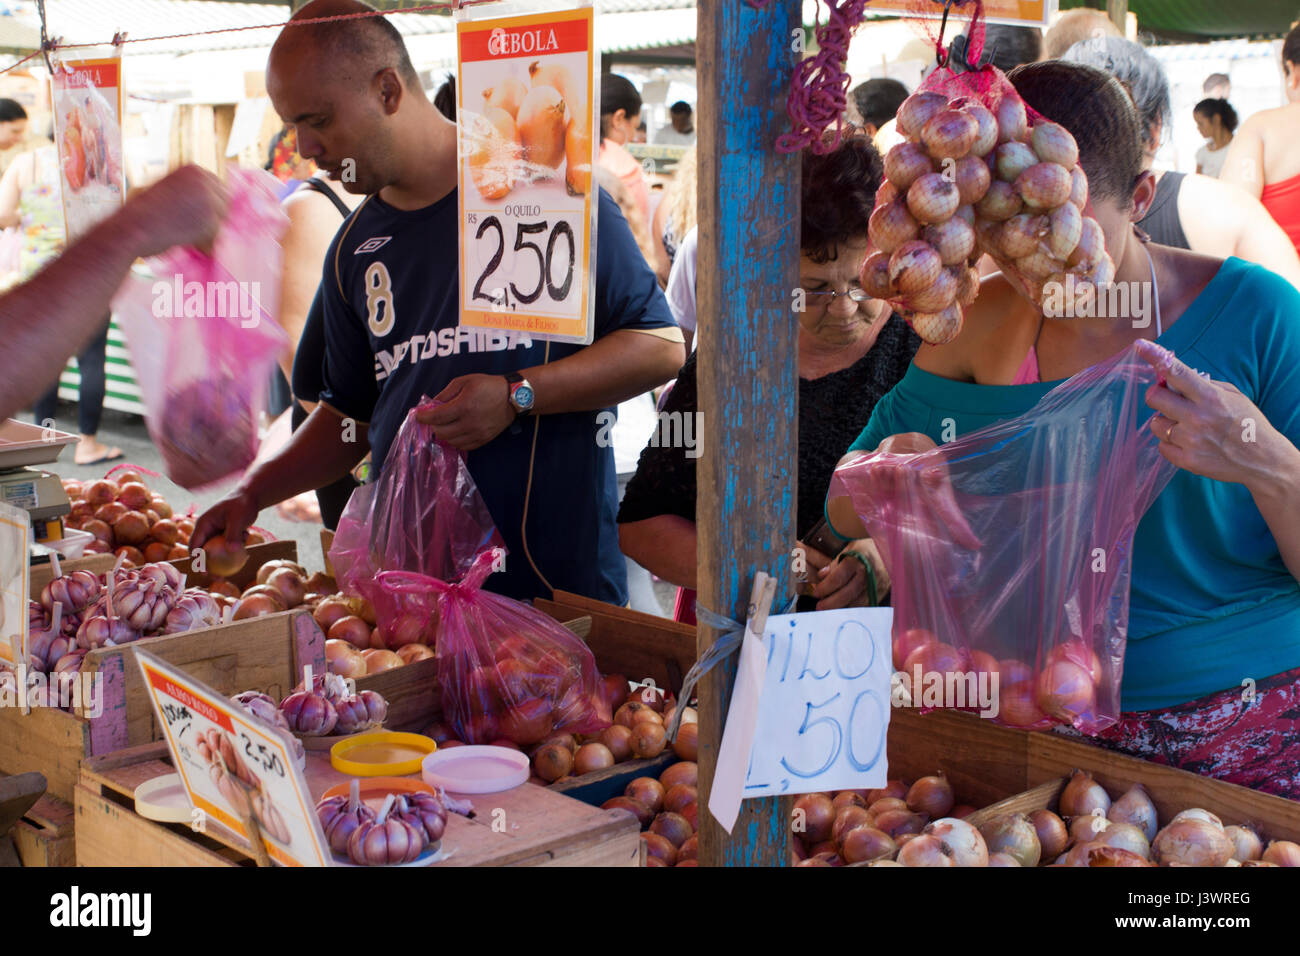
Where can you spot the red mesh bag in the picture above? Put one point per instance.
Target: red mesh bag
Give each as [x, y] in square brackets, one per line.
[979, 172]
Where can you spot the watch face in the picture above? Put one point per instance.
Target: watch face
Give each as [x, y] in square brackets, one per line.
[524, 396]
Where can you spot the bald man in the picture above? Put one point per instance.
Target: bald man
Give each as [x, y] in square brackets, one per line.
[525, 413]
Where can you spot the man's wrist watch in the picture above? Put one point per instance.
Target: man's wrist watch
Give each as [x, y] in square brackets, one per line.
[521, 394]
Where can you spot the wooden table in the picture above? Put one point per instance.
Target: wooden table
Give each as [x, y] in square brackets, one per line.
[526, 826]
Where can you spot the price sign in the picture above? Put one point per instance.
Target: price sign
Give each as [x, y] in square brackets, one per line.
[1030, 12]
[824, 709]
[234, 766]
[87, 102]
[527, 153]
[15, 561]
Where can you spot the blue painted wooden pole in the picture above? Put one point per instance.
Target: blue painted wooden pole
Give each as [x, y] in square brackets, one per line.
[748, 379]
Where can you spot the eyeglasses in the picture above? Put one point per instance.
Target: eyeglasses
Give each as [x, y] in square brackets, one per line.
[826, 299]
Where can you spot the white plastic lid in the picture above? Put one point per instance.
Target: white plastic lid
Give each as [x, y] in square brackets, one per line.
[475, 769]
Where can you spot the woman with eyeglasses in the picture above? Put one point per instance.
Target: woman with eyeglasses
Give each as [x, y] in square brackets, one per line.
[852, 350]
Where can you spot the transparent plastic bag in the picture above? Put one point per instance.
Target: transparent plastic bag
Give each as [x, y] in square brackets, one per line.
[1010, 548]
[506, 669]
[204, 339]
[423, 514]
[979, 172]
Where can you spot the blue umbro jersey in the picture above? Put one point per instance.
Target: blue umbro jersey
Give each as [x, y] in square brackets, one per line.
[406, 262]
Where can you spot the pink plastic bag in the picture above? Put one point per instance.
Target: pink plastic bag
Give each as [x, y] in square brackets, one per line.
[204, 339]
[506, 669]
[423, 514]
[1010, 548]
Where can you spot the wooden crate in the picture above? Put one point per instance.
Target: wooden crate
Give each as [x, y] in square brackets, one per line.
[258, 555]
[639, 646]
[413, 693]
[44, 836]
[600, 785]
[265, 653]
[985, 763]
[534, 825]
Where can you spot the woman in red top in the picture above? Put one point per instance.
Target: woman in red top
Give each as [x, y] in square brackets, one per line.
[1264, 158]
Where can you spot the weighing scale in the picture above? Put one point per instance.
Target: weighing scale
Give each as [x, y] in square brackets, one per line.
[24, 447]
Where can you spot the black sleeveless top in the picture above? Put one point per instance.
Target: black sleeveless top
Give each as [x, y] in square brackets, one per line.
[1161, 222]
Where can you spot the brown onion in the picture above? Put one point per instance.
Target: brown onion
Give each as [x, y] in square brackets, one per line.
[591, 757]
[864, 843]
[925, 850]
[894, 788]
[685, 771]
[673, 827]
[131, 528]
[255, 605]
[1052, 834]
[1082, 795]
[1014, 835]
[647, 791]
[813, 817]
[1192, 842]
[635, 807]
[634, 712]
[1003, 859]
[1125, 836]
[619, 741]
[845, 820]
[917, 110]
[688, 850]
[1196, 813]
[351, 629]
[898, 822]
[224, 558]
[1245, 841]
[848, 798]
[1135, 807]
[378, 661]
[680, 795]
[1101, 855]
[686, 746]
[905, 163]
[99, 493]
[932, 796]
[410, 653]
[660, 847]
[552, 761]
[962, 841]
[649, 739]
[290, 585]
[344, 659]
[950, 133]
[1282, 853]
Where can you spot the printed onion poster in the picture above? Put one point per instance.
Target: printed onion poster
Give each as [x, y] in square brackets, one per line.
[526, 142]
[87, 103]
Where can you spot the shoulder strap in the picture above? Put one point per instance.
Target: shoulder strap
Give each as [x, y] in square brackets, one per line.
[316, 185]
[347, 227]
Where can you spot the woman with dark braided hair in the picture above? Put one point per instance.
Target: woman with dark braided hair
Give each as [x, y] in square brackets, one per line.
[1214, 600]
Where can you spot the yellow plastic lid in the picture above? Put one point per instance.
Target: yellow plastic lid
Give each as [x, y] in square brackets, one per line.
[384, 753]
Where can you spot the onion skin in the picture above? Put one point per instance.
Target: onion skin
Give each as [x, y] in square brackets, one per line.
[1125, 836]
[673, 827]
[687, 744]
[1013, 835]
[846, 820]
[917, 110]
[649, 739]
[894, 788]
[905, 163]
[891, 225]
[619, 741]
[1281, 853]
[925, 850]
[1082, 795]
[1135, 807]
[1002, 859]
[1101, 855]
[639, 810]
[899, 822]
[949, 134]
[1246, 843]
[224, 559]
[1196, 813]
[961, 840]
[683, 772]
[1193, 843]
[661, 847]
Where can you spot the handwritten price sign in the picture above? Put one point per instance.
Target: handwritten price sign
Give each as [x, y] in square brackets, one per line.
[824, 709]
[233, 766]
[526, 114]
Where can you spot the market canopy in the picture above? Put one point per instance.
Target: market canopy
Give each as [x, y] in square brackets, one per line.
[1192, 20]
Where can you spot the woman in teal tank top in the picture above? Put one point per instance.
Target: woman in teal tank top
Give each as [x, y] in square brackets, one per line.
[1212, 669]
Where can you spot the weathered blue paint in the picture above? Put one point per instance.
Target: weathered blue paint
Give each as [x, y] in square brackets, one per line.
[748, 377]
